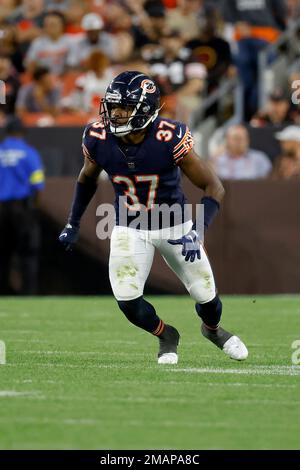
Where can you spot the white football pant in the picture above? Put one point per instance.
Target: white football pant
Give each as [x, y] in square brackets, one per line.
[131, 258]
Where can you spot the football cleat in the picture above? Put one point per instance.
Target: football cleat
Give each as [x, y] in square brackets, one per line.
[168, 343]
[168, 358]
[231, 345]
[235, 349]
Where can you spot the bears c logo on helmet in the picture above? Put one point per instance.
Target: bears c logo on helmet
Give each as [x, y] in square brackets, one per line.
[148, 85]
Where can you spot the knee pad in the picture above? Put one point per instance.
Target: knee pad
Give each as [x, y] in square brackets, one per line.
[203, 289]
[210, 312]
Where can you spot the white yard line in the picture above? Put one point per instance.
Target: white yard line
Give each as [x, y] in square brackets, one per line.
[117, 341]
[251, 370]
[73, 353]
[39, 381]
[108, 423]
[18, 331]
[70, 366]
[14, 394]
[40, 421]
[246, 384]
[19, 340]
[263, 402]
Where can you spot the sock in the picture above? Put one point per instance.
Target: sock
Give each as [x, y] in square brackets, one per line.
[142, 314]
[210, 313]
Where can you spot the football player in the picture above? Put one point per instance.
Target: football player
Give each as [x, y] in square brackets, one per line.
[143, 155]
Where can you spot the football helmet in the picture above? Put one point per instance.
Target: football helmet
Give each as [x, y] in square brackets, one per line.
[139, 94]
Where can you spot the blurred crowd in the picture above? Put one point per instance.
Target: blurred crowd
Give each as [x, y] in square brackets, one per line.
[236, 160]
[57, 56]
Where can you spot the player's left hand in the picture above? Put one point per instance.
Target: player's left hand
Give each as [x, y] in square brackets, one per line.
[190, 245]
[69, 237]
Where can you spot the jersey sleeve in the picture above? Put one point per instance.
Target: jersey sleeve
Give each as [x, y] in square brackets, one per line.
[95, 143]
[182, 142]
[89, 144]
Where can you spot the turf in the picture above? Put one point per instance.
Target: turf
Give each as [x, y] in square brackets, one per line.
[79, 376]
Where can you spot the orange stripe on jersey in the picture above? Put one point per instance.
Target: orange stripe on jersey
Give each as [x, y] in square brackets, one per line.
[179, 153]
[186, 147]
[179, 159]
[182, 140]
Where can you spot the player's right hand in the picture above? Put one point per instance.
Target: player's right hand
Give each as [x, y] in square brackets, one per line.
[190, 245]
[69, 236]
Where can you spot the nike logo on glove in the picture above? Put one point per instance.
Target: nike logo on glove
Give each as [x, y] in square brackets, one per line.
[190, 246]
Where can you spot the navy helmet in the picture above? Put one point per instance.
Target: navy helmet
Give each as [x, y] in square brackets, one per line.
[139, 94]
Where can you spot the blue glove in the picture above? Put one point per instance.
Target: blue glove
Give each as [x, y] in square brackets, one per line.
[69, 236]
[190, 245]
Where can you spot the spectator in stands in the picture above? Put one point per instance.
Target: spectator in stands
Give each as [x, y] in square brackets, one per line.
[29, 21]
[293, 10]
[183, 18]
[74, 14]
[52, 48]
[149, 25]
[21, 182]
[91, 85]
[117, 18]
[287, 165]
[210, 49]
[57, 5]
[40, 96]
[276, 113]
[257, 24]
[116, 48]
[9, 46]
[176, 73]
[7, 9]
[9, 76]
[239, 161]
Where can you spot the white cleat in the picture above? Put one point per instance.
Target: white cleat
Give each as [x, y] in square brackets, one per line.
[168, 358]
[235, 349]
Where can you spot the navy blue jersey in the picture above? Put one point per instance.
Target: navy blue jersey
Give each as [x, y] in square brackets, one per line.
[147, 174]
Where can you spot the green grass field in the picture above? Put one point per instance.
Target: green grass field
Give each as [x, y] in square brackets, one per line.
[79, 376]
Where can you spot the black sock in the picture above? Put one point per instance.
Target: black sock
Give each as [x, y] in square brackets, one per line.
[210, 312]
[142, 314]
